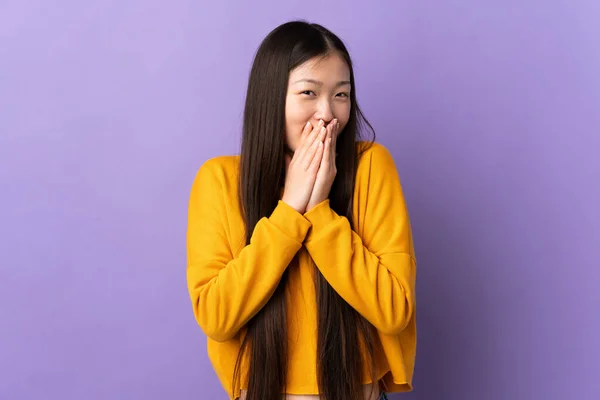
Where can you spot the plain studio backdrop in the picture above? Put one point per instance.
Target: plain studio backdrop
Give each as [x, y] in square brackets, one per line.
[491, 110]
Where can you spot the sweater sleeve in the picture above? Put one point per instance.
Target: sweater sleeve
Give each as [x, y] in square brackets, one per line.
[375, 271]
[226, 291]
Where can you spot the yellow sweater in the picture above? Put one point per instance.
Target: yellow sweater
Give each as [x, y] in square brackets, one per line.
[372, 268]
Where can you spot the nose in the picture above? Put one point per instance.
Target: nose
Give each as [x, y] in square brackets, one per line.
[324, 111]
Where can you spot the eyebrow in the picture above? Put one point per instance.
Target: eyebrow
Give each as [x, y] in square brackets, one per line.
[319, 83]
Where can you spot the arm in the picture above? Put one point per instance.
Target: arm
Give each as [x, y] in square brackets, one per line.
[375, 271]
[226, 292]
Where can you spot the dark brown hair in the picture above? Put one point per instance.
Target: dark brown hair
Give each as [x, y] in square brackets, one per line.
[262, 175]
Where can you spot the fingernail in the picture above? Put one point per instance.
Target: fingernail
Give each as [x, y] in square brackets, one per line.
[307, 124]
[321, 122]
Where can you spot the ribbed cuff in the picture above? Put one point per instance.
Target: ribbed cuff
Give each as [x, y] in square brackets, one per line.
[320, 216]
[290, 221]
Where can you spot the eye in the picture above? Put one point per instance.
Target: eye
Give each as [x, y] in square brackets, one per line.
[307, 92]
[344, 94]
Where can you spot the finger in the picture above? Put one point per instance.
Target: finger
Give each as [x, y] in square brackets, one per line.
[334, 136]
[306, 130]
[327, 153]
[309, 138]
[323, 134]
[309, 153]
[331, 129]
[334, 139]
[316, 161]
[334, 127]
[315, 132]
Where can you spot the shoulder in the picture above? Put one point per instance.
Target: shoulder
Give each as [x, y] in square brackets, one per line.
[221, 163]
[376, 172]
[222, 166]
[218, 171]
[374, 157]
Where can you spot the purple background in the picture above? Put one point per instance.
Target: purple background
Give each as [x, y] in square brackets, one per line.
[491, 110]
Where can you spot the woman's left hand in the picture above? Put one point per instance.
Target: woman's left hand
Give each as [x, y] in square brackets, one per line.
[327, 169]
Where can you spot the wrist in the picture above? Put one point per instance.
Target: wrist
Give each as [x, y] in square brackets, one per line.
[294, 206]
[311, 205]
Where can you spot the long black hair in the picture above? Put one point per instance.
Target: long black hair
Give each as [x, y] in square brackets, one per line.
[262, 173]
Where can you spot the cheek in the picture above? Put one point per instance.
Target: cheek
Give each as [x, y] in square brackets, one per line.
[296, 117]
[292, 138]
[297, 112]
[343, 122]
[342, 113]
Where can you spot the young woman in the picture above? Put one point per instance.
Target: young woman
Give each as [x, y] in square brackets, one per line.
[301, 268]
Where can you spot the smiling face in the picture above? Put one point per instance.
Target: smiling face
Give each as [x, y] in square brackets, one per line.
[318, 89]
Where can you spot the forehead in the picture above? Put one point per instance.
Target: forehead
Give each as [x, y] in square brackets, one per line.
[329, 68]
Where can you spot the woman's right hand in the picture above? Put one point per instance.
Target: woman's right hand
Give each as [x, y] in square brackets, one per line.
[301, 170]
